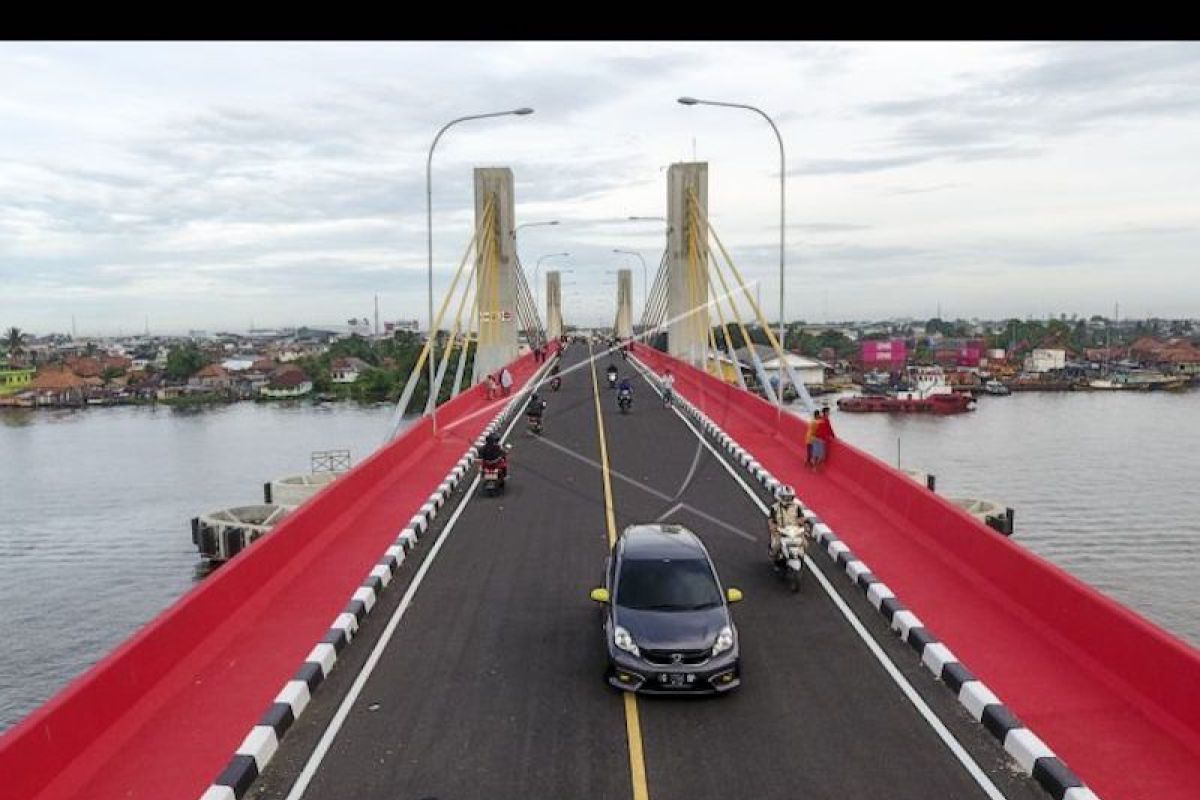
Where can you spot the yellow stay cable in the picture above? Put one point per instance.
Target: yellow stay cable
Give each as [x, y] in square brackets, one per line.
[493, 281]
[745, 290]
[437, 321]
[737, 316]
[693, 291]
[462, 302]
[737, 370]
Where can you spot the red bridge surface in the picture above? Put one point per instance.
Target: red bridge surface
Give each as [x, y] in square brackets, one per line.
[1113, 695]
[1116, 697]
[161, 715]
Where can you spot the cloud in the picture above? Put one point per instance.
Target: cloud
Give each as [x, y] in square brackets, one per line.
[270, 172]
[1060, 90]
[828, 227]
[937, 187]
[844, 166]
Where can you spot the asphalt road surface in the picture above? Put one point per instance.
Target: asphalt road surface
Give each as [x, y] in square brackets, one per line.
[492, 684]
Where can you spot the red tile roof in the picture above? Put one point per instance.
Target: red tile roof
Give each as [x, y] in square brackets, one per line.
[212, 371]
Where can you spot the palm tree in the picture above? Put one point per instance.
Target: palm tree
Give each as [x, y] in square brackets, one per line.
[14, 339]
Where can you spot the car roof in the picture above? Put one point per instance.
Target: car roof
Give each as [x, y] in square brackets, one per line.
[655, 540]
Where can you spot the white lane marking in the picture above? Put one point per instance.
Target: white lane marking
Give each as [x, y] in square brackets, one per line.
[691, 472]
[669, 512]
[943, 733]
[335, 725]
[648, 489]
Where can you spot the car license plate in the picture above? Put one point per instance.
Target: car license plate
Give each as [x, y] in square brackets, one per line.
[676, 680]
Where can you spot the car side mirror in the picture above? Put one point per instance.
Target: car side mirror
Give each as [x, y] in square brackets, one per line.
[600, 595]
[733, 595]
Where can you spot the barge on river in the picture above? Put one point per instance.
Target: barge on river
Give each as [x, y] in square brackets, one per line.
[930, 395]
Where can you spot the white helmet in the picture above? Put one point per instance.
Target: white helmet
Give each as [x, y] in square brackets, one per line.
[787, 494]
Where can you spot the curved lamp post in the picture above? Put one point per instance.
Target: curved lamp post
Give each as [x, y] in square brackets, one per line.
[692, 101]
[527, 225]
[520, 112]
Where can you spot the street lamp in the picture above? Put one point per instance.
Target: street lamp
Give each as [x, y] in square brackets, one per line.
[527, 225]
[520, 112]
[537, 271]
[531, 224]
[691, 101]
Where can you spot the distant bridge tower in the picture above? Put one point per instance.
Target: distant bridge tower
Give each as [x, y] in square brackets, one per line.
[554, 323]
[495, 267]
[687, 254]
[624, 323]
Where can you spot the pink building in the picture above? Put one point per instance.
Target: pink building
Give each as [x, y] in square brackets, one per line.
[885, 355]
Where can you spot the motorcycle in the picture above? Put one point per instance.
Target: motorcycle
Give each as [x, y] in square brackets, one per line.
[495, 473]
[535, 424]
[555, 383]
[625, 400]
[789, 561]
[612, 380]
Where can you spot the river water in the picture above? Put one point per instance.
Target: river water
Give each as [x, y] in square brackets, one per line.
[94, 510]
[94, 504]
[1103, 483]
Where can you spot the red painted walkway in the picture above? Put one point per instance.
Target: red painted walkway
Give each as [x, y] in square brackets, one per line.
[161, 716]
[1114, 696]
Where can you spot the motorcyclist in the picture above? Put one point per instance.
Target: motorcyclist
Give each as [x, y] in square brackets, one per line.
[786, 512]
[492, 452]
[625, 390]
[535, 408]
[612, 374]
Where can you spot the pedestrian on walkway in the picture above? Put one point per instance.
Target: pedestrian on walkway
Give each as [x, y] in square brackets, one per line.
[491, 387]
[506, 381]
[811, 436]
[824, 440]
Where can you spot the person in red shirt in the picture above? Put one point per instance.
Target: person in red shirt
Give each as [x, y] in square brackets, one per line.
[824, 438]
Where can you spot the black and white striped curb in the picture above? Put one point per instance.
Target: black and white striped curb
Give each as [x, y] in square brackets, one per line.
[1030, 752]
[260, 745]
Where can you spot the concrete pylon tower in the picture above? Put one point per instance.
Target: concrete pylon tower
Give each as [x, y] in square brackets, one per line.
[624, 326]
[687, 253]
[495, 268]
[554, 322]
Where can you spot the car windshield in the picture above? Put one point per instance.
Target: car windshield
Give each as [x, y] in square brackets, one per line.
[667, 585]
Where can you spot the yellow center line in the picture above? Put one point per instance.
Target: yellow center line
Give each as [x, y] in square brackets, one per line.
[633, 728]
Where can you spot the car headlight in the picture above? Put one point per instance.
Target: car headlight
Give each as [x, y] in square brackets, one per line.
[623, 640]
[724, 641]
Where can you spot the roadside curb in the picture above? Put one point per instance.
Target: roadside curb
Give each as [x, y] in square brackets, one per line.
[1032, 754]
[263, 740]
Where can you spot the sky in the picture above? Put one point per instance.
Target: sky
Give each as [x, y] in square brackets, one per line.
[218, 185]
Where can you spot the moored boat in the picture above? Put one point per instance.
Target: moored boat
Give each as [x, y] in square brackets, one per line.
[938, 404]
[930, 395]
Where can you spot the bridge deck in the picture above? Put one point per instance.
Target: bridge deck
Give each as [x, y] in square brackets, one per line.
[1114, 696]
[161, 716]
[488, 681]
